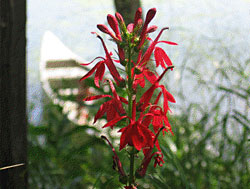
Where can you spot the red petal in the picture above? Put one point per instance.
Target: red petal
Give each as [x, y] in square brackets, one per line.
[125, 136]
[152, 29]
[137, 137]
[158, 98]
[130, 28]
[90, 72]
[111, 65]
[150, 49]
[101, 111]
[112, 87]
[114, 121]
[168, 42]
[86, 64]
[150, 76]
[161, 55]
[167, 94]
[96, 97]
[158, 53]
[146, 97]
[99, 75]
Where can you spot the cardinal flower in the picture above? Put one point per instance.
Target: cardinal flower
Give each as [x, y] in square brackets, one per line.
[99, 68]
[146, 97]
[157, 117]
[136, 134]
[140, 120]
[148, 155]
[161, 58]
[152, 46]
[113, 108]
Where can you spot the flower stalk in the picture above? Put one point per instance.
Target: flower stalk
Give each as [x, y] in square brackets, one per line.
[145, 119]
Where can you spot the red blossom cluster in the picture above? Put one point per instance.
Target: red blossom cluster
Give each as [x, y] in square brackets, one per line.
[146, 119]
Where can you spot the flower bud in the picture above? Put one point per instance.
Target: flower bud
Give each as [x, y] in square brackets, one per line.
[152, 29]
[114, 25]
[105, 29]
[150, 15]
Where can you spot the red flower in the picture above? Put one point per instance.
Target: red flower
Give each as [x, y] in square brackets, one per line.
[139, 78]
[158, 119]
[150, 49]
[99, 68]
[146, 97]
[113, 108]
[161, 58]
[136, 134]
[148, 154]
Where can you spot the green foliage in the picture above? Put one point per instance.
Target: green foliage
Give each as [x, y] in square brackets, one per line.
[64, 155]
[210, 151]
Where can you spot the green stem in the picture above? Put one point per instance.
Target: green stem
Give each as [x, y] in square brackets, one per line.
[130, 107]
[131, 173]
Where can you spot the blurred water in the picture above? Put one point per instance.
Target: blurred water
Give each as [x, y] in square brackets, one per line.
[197, 26]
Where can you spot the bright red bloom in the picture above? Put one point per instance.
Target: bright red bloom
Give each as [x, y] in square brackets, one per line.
[136, 134]
[146, 97]
[139, 78]
[157, 117]
[113, 108]
[161, 58]
[150, 49]
[148, 154]
[110, 64]
[99, 68]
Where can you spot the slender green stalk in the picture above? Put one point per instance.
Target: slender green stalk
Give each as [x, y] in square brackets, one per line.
[131, 173]
[130, 107]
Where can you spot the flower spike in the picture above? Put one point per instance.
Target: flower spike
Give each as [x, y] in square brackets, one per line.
[141, 119]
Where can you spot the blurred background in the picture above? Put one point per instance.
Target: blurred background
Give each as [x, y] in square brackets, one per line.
[210, 120]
